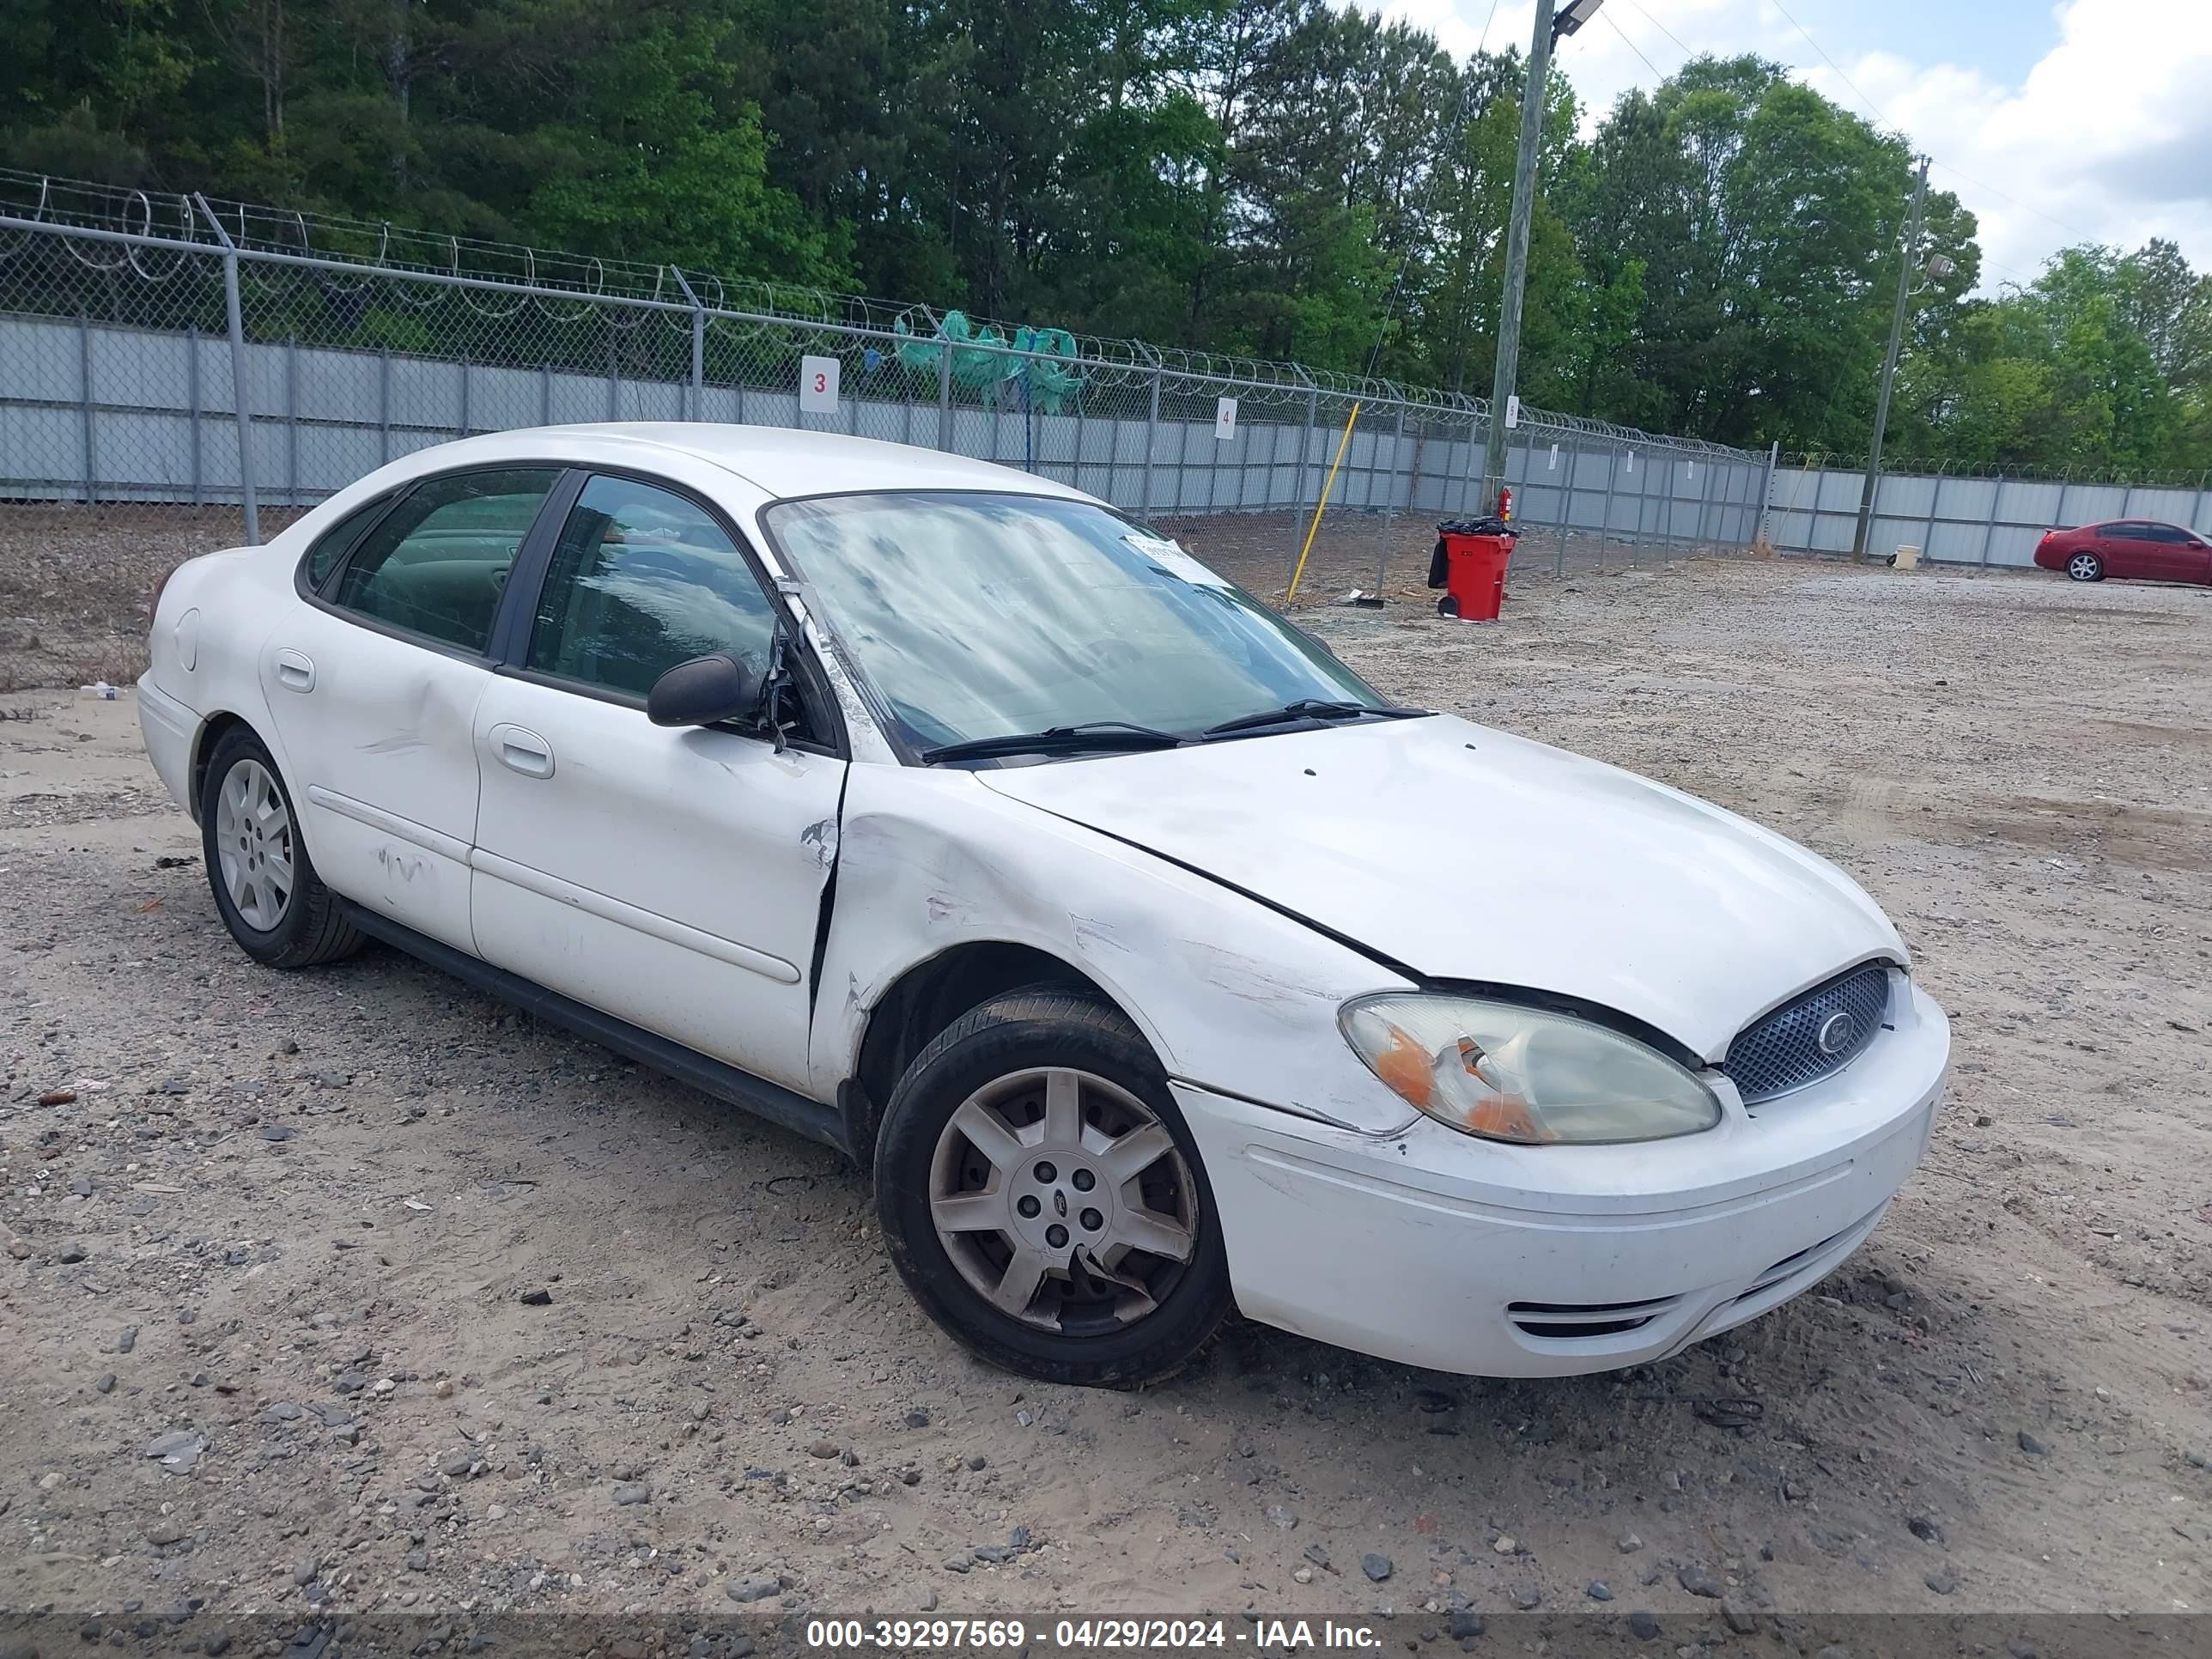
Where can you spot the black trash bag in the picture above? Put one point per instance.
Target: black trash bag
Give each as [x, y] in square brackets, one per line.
[1439, 566]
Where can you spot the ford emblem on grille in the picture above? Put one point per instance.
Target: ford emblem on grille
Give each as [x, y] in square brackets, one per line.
[1804, 1040]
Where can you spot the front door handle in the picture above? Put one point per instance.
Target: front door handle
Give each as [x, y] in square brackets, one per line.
[520, 749]
[295, 671]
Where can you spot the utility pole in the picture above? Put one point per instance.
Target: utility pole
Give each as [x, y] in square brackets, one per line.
[1516, 249]
[1908, 267]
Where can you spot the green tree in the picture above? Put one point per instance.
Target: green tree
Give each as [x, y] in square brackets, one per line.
[1292, 178]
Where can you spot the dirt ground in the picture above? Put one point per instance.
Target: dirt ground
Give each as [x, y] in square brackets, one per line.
[281, 1228]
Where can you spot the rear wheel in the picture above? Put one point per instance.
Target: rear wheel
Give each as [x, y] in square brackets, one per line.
[1043, 1199]
[2086, 568]
[266, 886]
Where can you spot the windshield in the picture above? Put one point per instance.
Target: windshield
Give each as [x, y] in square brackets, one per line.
[981, 616]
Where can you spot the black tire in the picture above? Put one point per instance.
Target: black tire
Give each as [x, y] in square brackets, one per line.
[1018, 1031]
[2093, 569]
[1447, 606]
[312, 928]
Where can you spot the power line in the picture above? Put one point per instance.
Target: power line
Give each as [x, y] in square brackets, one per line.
[1487, 22]
[1834, 65]
[2026, 207]
[1879, 113]
[1632, 46]
[2075, 230]
[1661, 27]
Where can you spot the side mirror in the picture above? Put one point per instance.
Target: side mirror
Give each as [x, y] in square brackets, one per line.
[703, 691]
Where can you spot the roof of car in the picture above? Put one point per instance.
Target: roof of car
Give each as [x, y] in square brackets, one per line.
[795, 461]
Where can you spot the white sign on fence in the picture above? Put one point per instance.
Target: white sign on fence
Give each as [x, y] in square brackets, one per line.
[1512, 413]
[817, 385]
[1554, 465]
[1224, 418]
[1631, 460]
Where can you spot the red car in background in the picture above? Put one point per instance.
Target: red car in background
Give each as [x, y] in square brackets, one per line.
[2128, 547]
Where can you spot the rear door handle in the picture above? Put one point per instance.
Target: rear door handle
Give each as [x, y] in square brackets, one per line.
[520, 749]
[295, 671]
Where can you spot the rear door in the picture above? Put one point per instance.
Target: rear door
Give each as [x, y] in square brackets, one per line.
[672, 877]
[372, 684]
[2126, 548]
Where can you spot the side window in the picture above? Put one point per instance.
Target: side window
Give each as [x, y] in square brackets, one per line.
[641, 581]
[332, 544]
[436, 564]
[2164, 532]
[2129, 530]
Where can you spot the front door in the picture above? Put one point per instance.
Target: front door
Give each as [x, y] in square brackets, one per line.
[373, 687]
[670, 877]
[2200, 559]
[2174, 554]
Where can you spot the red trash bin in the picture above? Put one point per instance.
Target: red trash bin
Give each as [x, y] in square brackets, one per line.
[1475, 562]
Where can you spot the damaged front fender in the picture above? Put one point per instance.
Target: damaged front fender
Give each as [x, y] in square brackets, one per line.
[1230, 994]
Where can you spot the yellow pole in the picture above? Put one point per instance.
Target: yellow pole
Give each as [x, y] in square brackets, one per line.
[1327, 484]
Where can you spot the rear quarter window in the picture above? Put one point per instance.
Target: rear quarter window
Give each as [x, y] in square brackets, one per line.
[334, 543]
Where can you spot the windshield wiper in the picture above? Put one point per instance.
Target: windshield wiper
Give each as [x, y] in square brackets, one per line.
[1317, 708]
[1055, 740]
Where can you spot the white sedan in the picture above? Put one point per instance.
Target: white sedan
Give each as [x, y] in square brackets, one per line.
[1156, 963]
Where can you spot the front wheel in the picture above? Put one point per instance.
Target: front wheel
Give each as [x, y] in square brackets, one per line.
[1041, 1196]
[2086, 568]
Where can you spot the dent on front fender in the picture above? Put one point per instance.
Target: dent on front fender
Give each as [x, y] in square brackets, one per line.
[1229, 994]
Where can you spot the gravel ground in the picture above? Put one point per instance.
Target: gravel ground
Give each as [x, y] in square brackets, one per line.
[354, 1291]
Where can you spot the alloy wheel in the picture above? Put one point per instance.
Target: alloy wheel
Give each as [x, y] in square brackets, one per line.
[2082, 567]
[1063, 1201]
[253, 843]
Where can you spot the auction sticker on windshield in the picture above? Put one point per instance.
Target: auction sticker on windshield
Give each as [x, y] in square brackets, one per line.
[1168, 556]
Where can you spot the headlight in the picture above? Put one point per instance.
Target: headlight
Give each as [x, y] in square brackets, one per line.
[1511, 1073]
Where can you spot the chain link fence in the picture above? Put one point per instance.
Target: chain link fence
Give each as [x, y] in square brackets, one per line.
[178, 374]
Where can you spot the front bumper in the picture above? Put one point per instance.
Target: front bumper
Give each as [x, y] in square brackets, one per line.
[169, 727]
[1432, 1248]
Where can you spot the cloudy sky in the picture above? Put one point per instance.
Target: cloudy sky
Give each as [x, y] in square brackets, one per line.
[2056, 121]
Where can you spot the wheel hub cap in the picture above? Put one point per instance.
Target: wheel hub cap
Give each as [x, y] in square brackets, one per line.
[1061, 1197]
[1060, 1205]
[254, 845]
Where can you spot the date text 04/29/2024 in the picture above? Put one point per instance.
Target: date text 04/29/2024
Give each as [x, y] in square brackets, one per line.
[1079, 1635]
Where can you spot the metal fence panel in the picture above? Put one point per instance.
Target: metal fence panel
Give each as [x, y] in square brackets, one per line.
[1962, 519]
[2167, 505]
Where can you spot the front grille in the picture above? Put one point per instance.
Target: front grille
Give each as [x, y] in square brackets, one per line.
[1782, 1051]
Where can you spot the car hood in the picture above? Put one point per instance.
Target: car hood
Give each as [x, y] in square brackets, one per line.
[1459, 852]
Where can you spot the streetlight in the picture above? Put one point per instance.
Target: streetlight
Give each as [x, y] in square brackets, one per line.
[1573, 17]
[1549, 28]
